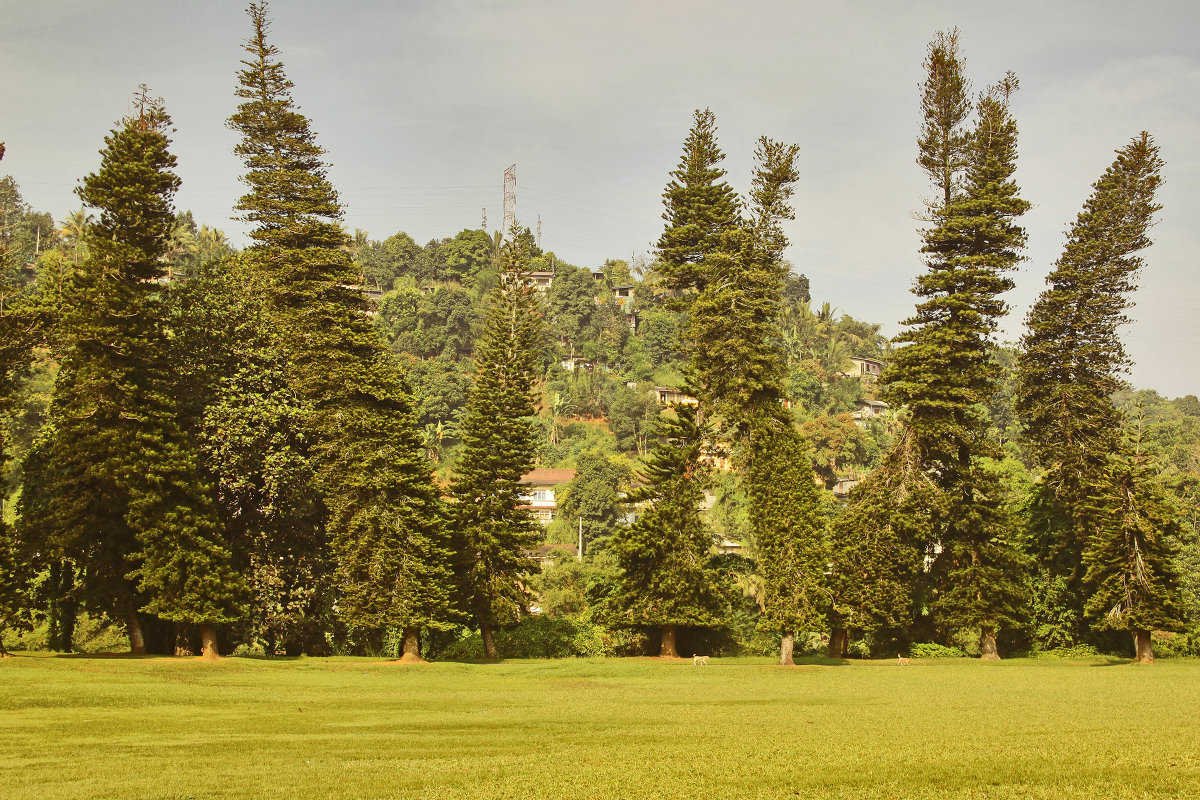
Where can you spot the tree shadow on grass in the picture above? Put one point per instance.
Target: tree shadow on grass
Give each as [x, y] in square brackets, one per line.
[822, 661]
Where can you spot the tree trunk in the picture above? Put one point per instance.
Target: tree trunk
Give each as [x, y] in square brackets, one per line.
[667, 649]
[412, 648]
[785, 650]
[837, 643]
[987, 645]
[489, 641]
[1143, 647]
[3, 650]
[208, 639]
[137, 642]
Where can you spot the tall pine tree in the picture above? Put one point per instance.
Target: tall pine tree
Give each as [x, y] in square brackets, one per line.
[125, 498]
[385, 524]
[494, 529]
[701, 209]
[665, 580]
[1132, 579]
[946, 375]
[878, 546]
[1072, 359]
[788, 533]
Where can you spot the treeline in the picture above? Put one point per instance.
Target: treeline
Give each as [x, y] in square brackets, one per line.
[315, 445]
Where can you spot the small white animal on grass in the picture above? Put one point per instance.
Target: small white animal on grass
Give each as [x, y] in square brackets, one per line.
[700, 660]
[904, 662]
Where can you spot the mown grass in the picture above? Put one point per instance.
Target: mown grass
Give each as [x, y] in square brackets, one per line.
[82, 727]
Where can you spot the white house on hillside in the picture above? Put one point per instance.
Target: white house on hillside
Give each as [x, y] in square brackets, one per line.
[540, 488]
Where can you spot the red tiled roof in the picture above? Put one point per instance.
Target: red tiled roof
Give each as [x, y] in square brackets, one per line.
[548, 477]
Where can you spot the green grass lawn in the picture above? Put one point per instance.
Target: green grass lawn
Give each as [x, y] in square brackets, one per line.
[86, 727]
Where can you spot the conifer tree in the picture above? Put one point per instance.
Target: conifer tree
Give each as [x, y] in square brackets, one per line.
[878, 544]
[18, 332]
[701, 208]
[251, 426]
[1132, 580]
[665, 580]
[126, 499]
[494, 531]
[732, 337]
[385, 523]
[945, 108]
[788, 535]
[946, 375]
[1072, 359]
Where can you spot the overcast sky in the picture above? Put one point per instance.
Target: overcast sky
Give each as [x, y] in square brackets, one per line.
[422, 105]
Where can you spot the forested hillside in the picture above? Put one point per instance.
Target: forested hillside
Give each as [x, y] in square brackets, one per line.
[315, 444]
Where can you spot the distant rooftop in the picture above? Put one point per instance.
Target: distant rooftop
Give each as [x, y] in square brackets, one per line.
[548, 477]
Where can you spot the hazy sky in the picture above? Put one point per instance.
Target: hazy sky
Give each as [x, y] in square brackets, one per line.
[422, 105]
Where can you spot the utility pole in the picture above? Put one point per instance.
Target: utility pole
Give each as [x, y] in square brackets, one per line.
[510, 198]
[539, 239]
[580, 556]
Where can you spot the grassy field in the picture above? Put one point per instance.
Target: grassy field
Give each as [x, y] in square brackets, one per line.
[85, 727]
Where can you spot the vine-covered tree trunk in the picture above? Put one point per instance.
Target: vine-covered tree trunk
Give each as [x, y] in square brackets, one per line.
[412, 647]
[785, 650]
[837, 643]
[489, 641]
[137, 641]
[208, 641]
[667, 649]
[1143, 646]
[987, 644]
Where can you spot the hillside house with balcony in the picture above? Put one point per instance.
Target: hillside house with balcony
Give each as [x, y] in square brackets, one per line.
[540, 491]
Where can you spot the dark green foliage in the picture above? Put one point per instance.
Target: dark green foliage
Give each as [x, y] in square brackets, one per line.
[571, 303]
[384, 516]
[701, 208]
[429, 324]
[631, 413]
[1072, 358]
[465, 256]
[593, 496]
[946, 373]
[383, 262]
[945, 106]
[493, 530]
[290, 201]
[879, 540]
[665, 576]
[732, 333]
[124, 496]
[1132, 578]
[788, 531]
[979, 575]
[257, 451]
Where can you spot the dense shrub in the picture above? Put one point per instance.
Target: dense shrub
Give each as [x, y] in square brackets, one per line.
[539, 637]
[931, 650]
[1074, 651]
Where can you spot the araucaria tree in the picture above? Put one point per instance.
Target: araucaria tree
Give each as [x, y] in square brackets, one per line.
[729, 272]
[878, 544]
[946, 374]
[788, 535]
[124, 498]
[385, 525]
[493, 529]
[665, 580]
[1132, 581]
[1072, 359]
[701, 209]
